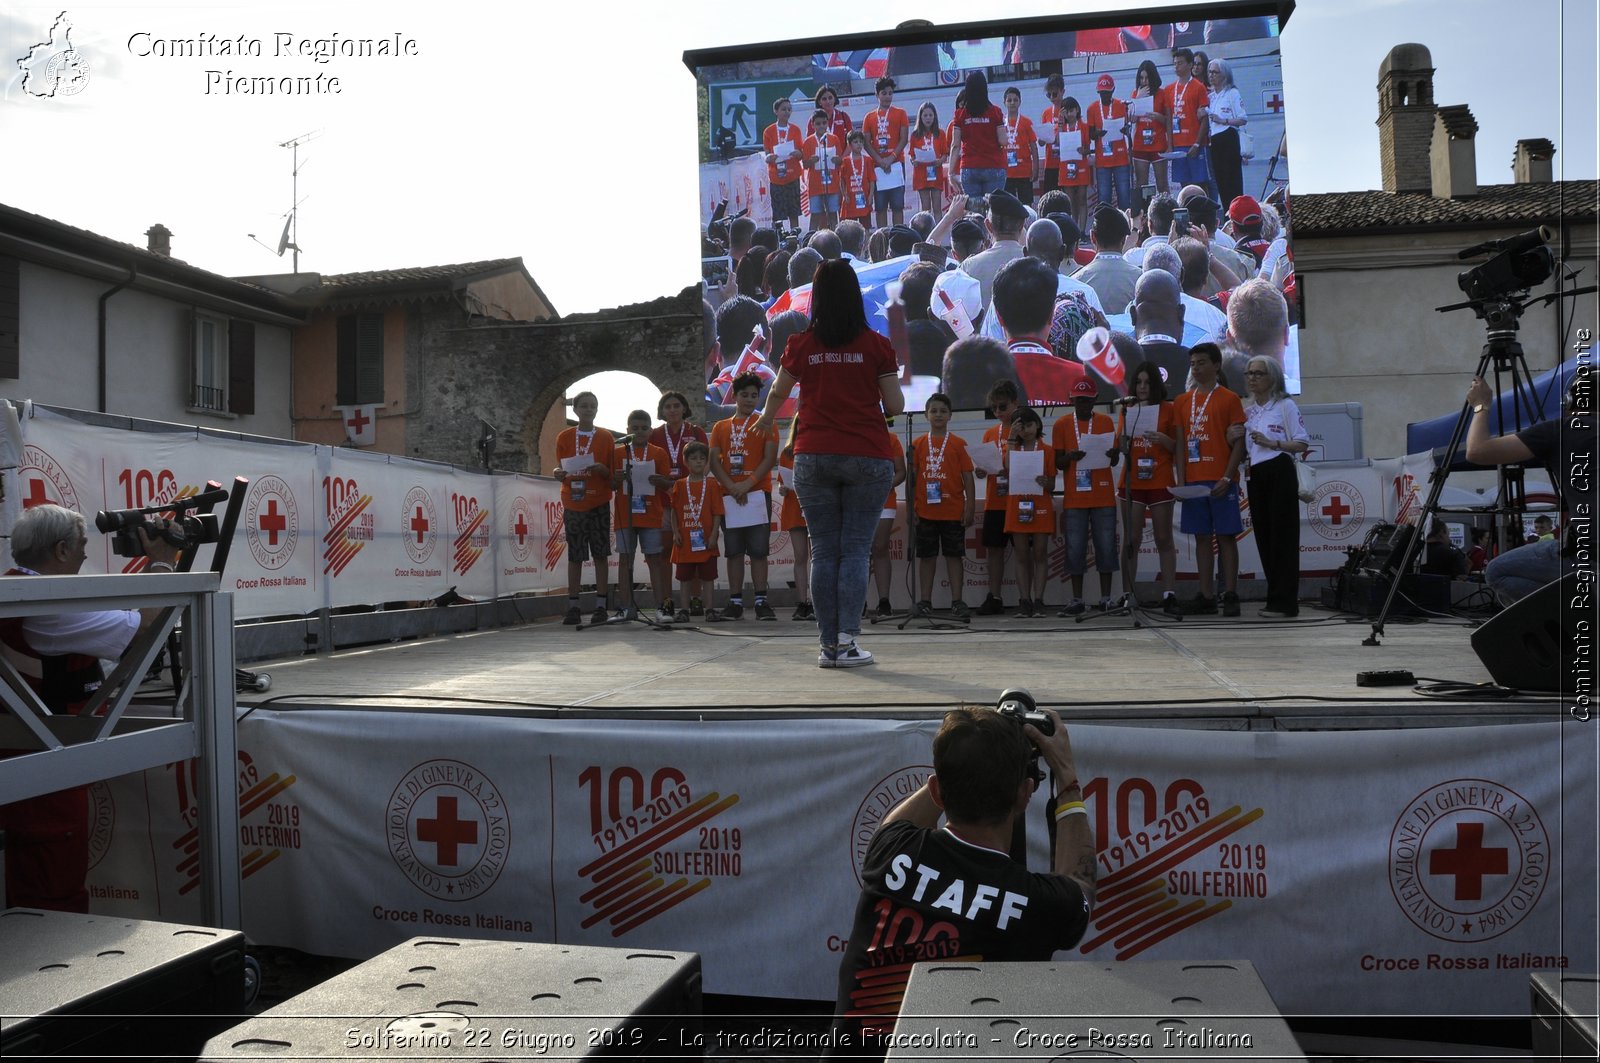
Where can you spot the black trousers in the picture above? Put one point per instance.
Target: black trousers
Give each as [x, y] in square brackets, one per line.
[1227, 169]
[1275, 514]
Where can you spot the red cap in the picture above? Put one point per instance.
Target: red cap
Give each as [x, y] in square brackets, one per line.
[1105, 84]
[1244, 209]
[1083, 388]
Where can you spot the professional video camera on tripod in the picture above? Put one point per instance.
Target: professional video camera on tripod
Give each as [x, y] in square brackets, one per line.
[1497, 293]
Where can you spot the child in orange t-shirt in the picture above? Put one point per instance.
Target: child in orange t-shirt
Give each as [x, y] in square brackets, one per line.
[1030, 513]
[585, 492]
[822, 151]
[946, 494]
[1073, 173]
[857, 178]
[638, 518]
[742, 456]
[1088, 499]
[792, 519]
[696, 505]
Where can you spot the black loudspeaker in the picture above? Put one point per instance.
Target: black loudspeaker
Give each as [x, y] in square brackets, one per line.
[1522, 645]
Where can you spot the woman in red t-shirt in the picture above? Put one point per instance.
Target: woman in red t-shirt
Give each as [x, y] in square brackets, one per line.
[849, 381]
[978, 139]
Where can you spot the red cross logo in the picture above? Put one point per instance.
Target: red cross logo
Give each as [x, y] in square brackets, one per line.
[419, 524]
[358, 421]
[521, 529]
[36, 495]
[1275, 103]
[447, 832]
[1469, 862]
[1336, 510]
[272, 522]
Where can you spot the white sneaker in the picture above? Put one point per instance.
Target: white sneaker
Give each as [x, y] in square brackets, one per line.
[827, 658]
[851, 655]
[664, 615]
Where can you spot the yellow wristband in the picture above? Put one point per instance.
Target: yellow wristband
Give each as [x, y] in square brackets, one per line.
[1071, 808]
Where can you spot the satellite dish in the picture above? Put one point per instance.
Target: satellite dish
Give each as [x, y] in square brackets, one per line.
[283, 241]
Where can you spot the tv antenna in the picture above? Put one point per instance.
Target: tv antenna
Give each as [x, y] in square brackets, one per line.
[289, 239]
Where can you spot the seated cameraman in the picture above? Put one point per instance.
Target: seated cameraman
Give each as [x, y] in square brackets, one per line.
[955, 892]
[1565, 446]
[47, 844]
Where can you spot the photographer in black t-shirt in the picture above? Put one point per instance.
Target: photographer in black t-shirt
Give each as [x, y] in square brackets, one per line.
[930, 894]
[1565, 446]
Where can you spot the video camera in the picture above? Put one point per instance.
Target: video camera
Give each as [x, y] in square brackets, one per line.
[1519, 263]
[1017, 704]
[187, 530]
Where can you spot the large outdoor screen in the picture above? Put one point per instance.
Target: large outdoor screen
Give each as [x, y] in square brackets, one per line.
[1103, 113]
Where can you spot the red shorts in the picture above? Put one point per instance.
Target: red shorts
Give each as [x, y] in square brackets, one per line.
[693, 570]
[1149, 496]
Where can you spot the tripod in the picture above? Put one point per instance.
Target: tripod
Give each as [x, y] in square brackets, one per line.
[1504, 354]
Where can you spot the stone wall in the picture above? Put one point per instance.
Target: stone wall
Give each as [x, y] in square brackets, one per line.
[512, 375]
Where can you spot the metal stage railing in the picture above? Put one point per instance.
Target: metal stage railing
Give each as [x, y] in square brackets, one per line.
[104, 742]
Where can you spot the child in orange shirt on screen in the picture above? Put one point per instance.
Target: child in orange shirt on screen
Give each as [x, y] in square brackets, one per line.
[696, 507]
[857, 178]
[946, 494]
[1030, 513]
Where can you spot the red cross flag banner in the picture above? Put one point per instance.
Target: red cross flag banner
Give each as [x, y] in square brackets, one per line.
[1463, 862]
[360, 424]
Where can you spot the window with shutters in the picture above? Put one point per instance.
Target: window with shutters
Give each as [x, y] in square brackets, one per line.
[360, 359]
[210, 390]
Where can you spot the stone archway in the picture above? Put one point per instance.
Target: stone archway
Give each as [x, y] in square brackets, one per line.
[513, 374]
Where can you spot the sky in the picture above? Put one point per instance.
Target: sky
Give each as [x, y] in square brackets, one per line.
[563, 133]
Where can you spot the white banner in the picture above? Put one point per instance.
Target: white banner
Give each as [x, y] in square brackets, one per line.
[321, 526]
[1462, 859]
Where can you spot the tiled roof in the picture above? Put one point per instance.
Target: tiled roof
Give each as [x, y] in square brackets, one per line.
[416, 276]
[1495, 206]
[58, 235]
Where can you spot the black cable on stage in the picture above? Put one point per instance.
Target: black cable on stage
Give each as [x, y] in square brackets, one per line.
[1500, 694]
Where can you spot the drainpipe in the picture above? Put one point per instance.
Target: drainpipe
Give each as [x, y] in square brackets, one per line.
[133, 275]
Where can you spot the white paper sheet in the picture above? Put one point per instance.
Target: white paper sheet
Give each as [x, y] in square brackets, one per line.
[577, 464]
[747, 515]
[783, 149]
[1142, 105]
[1094, 451]
[1026, 468]
[925, 156]
[640, 482]
[986, 456]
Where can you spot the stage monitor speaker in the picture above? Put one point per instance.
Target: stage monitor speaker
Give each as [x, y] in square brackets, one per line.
[97, 985]
[1564, 1024]
[1523, 645]
[1161, 1009]
[471, 999]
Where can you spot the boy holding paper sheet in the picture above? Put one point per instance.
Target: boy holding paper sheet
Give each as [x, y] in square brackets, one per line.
[742, 457]
[1088, 501]
[584, 455]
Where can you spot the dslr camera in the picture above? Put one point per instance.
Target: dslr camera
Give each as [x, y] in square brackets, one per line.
[1018, 705]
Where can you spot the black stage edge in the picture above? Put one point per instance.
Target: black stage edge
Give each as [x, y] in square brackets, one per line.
[471, 999]
[78, 986]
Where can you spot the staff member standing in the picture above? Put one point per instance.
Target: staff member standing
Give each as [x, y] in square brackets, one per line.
[1275, 434]
[842, 454]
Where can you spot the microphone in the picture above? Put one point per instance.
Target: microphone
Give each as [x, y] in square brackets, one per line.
[1126, 400]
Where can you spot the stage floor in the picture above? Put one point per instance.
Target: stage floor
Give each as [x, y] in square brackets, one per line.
[1111, 667]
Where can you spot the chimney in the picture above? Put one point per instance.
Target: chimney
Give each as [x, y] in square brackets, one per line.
[1405, 118]
[160, 240]
[1453, 155]
[1530, 164]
